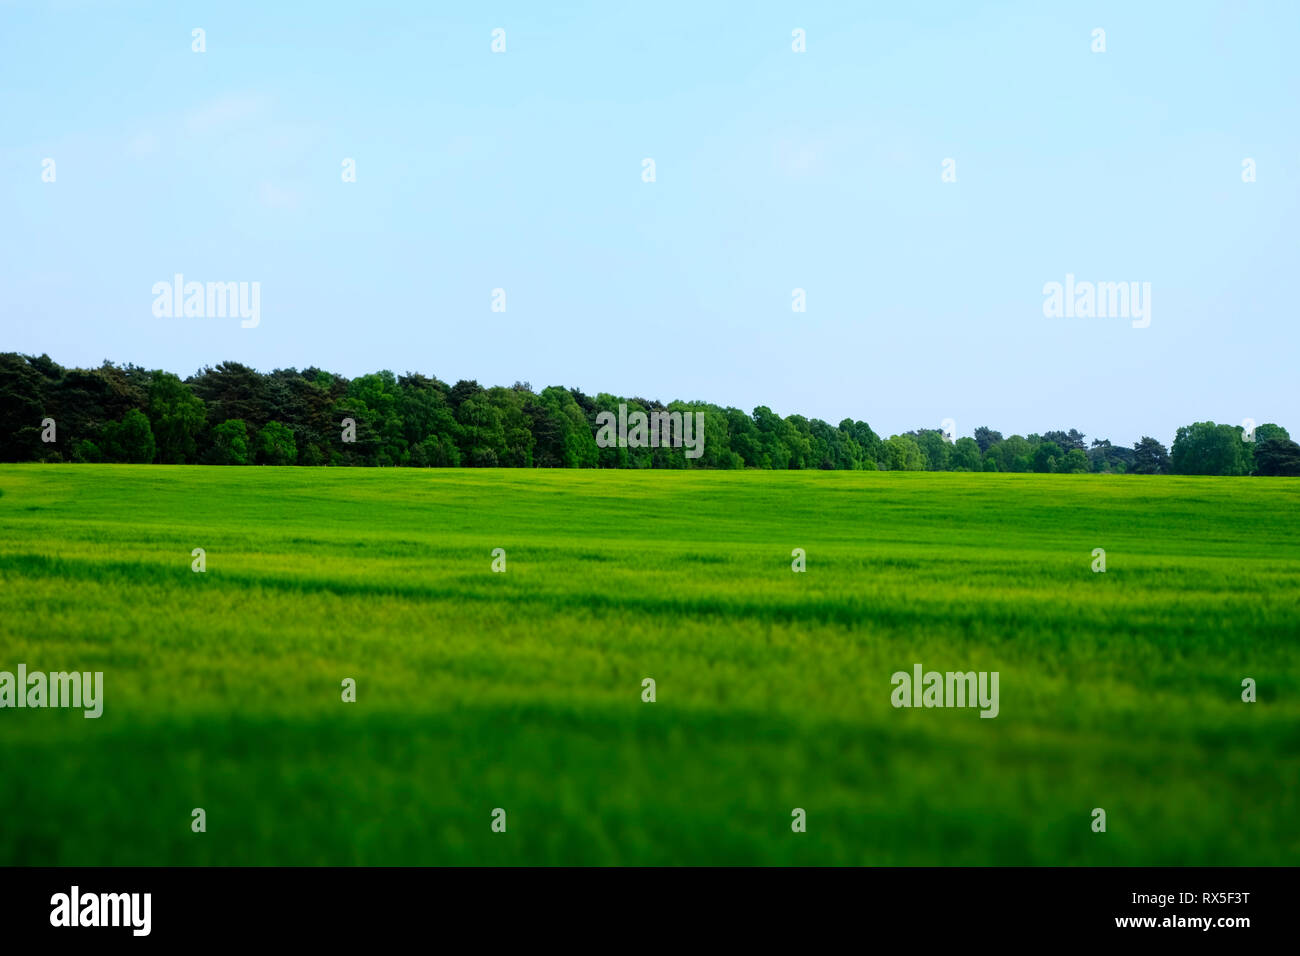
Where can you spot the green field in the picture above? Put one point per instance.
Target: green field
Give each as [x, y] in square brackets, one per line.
[522, 690]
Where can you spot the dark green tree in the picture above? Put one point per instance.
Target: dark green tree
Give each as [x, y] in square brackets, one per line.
[934, 447]
[275, 445]
[966, 455]
[1047, 457]
[1277, 456]
[22, 407]
[1206, 448]
[1150, 457]
[986, 437]
[177, 417]
[229, 444]
[130, 440]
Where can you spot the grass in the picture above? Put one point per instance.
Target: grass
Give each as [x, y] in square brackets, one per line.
[522, 690]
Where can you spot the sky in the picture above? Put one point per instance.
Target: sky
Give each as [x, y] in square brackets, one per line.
[775, 170]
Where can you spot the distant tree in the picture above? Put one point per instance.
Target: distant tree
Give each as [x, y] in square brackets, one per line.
[87, 451]
[1105, 457]
[966, 456]
[1269, 430]
[463, 390]
[548, 434]
[1047, 457]
[866, 439]
[233, 414]
[229, 444]
[986, 437]
[233, 391]
[305, 402]
[828, 447]
[177, 417]
[902, 453]
[1262, 434]
[1150, 457]
[372, 401]
[1099, 455]
[483, 436]
[934, 447]
[796, 434]
[716, 445]
[1075, 462]
[130, 440]
[22, 406]
[559, 428]
[516, 447]
[428, 422]
[1205, 448]
[1066, 440]
[1277, 456]
[771, 429]
[1012, 454]
[275, 445]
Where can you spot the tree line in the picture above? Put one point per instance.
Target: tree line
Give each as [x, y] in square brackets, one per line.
[231, 414]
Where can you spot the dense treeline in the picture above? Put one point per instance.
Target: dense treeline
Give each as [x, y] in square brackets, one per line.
[235, 415]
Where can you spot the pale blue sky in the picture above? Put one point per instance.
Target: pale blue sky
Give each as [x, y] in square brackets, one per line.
[775, 170]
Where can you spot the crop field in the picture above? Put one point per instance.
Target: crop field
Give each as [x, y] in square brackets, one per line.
[523, 689]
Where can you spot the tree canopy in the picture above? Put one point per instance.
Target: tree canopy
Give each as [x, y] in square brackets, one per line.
[230, 414]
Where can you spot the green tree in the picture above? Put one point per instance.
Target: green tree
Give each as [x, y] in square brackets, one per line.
[275, 445]
[775, 451]
[934, 447]
[87, 451]
[22, 406]
[516, 448]
[483, 433]
[902, 453]
[716, 439]
[1206, 448]
[428, 422]
[229, 444]
[233, 391]
[796, 434]
[562, 437]
[986, 438]
[1268, 430]
[745, 439]
[1012, 454]
[1108, 458]
[867, 440]
[372, 402]
[130, 440]
[966, 455]
[1075, 462]
[177, 417]
[1066, 441]
[1150, 457]
[1277, 456]
[1047, 457]
[1262, 433]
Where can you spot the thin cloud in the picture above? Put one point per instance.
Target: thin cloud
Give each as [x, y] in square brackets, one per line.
[224, 112]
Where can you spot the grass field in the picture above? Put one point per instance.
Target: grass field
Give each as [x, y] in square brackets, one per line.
[522, 690]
